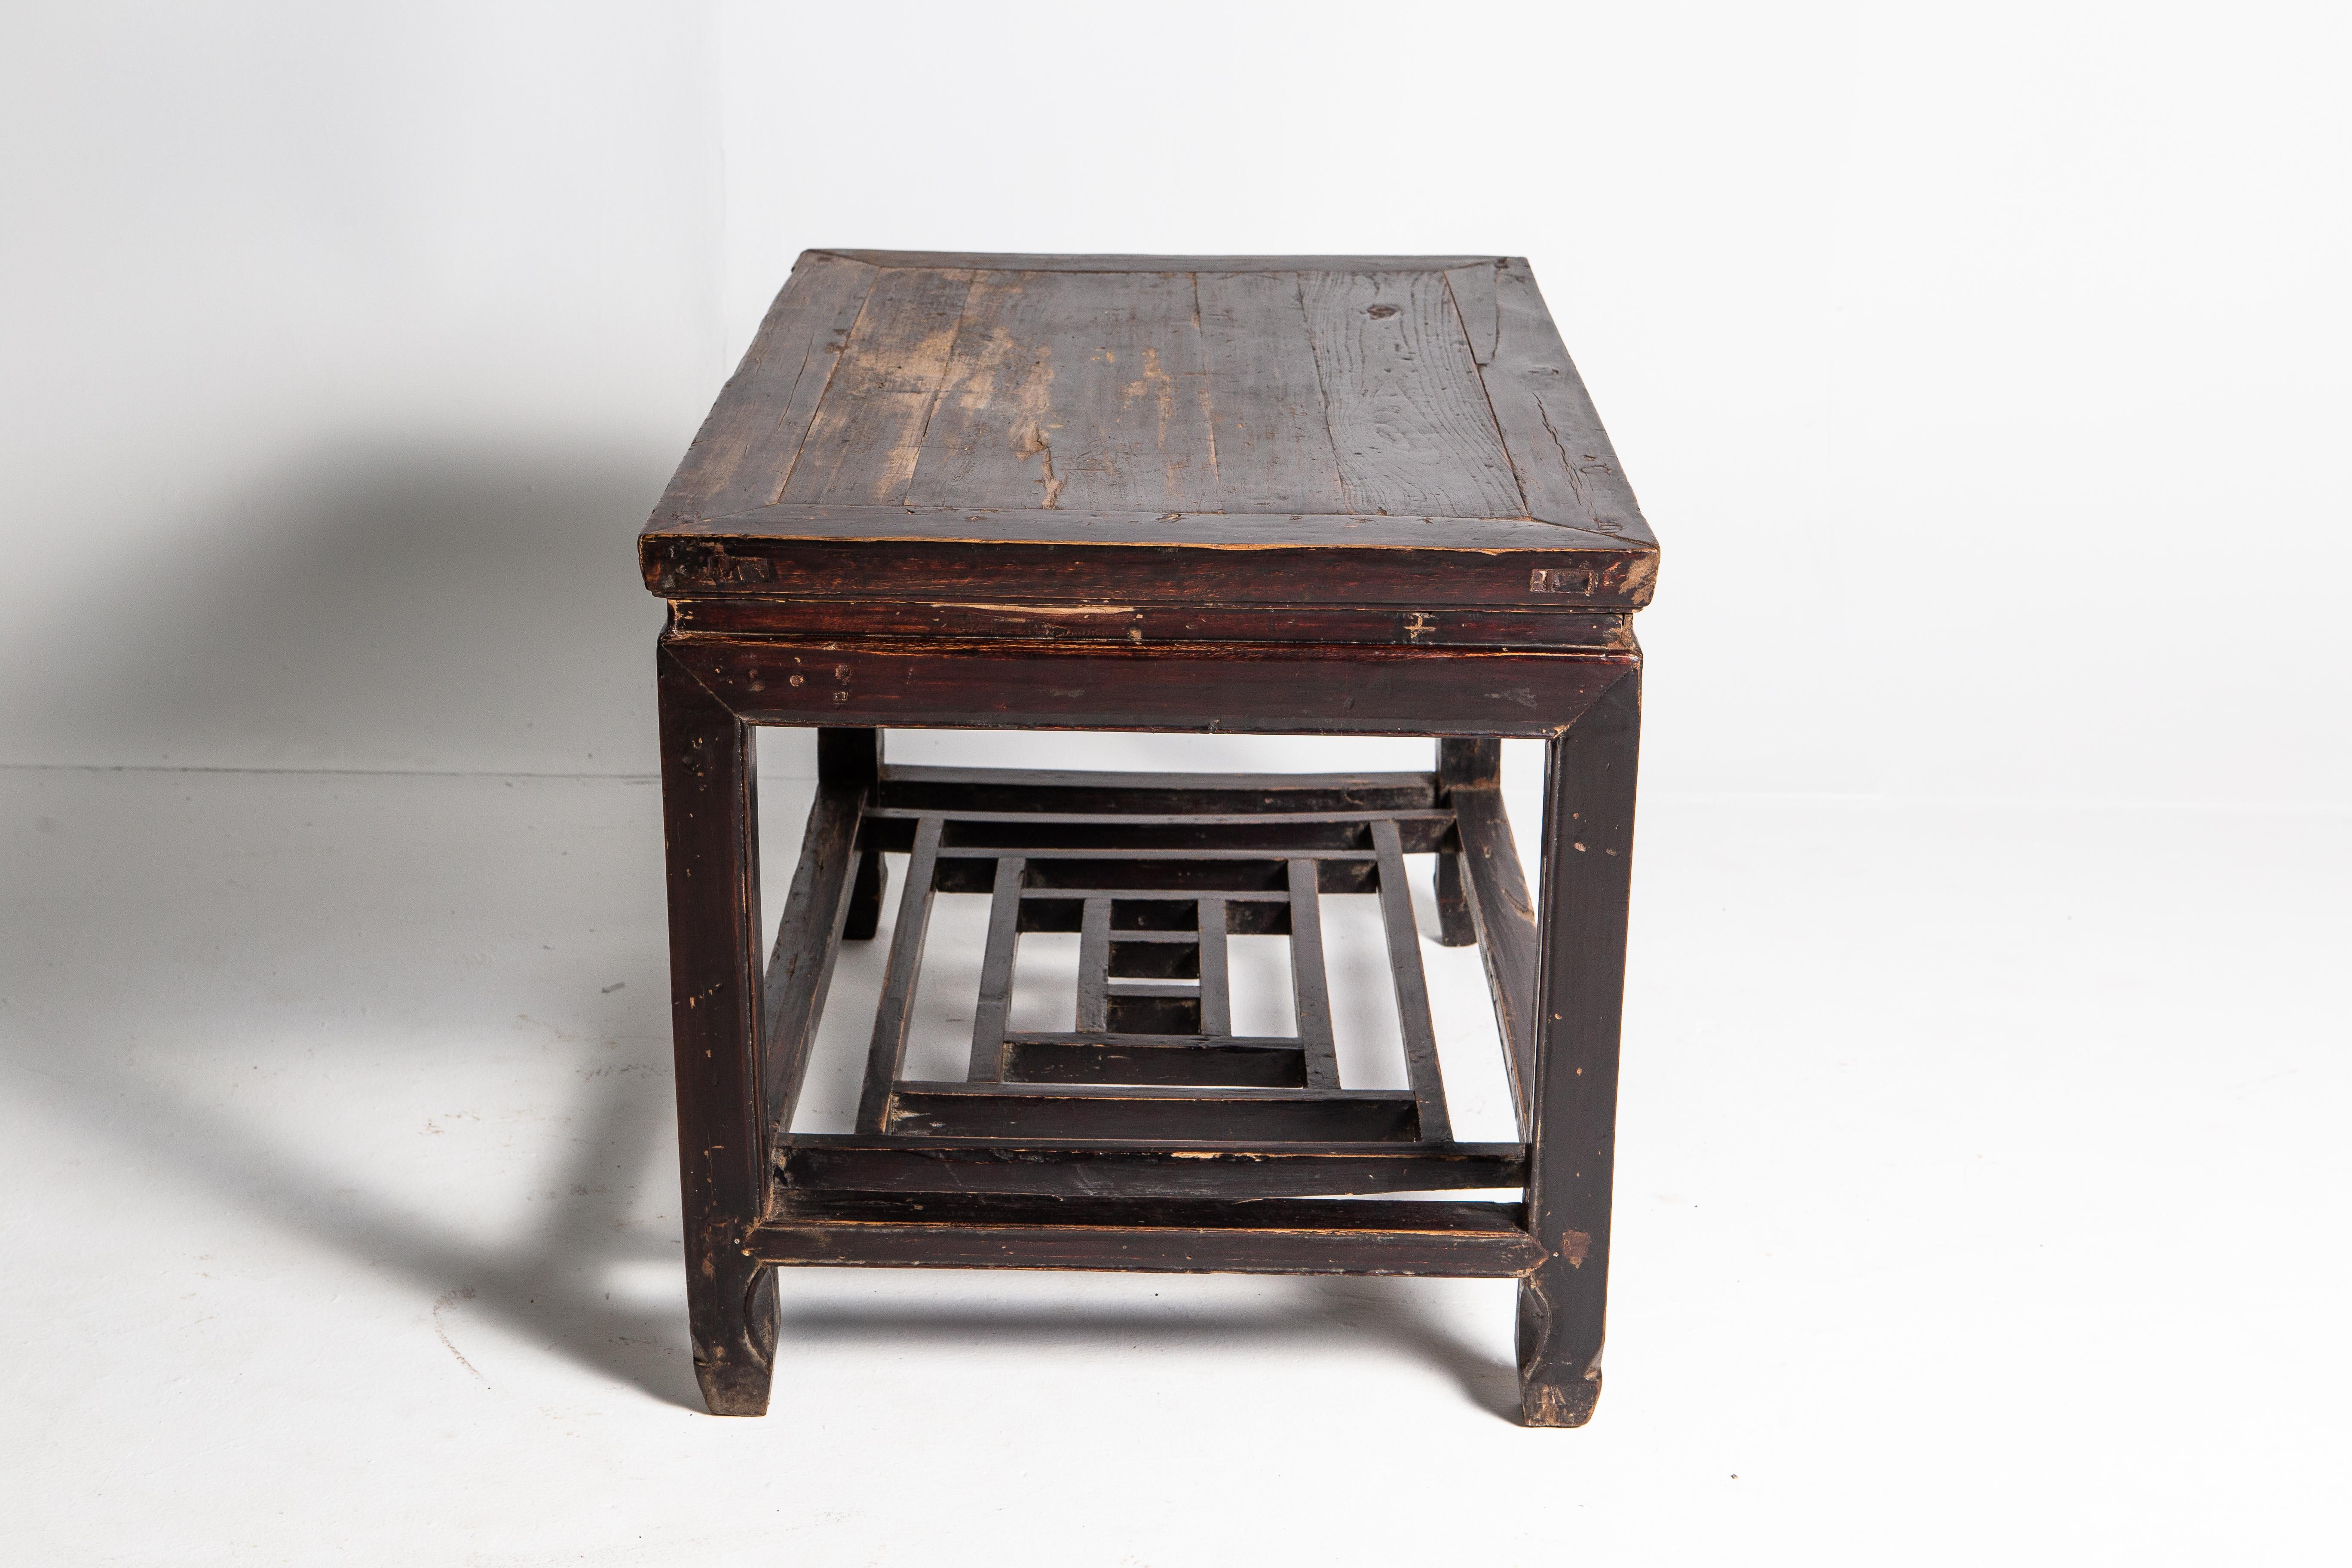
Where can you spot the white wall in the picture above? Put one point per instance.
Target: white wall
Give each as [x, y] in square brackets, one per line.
[1989, 357]
[347, 346]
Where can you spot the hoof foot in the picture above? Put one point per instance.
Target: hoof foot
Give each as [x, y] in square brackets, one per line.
[733, 1390]
[1554, 1405]
[735, 1361]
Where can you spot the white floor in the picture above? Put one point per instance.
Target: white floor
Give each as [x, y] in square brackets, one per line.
[1981, 1198]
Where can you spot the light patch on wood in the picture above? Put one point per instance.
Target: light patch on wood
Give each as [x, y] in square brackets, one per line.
[1157, 384]
[867, 433]
[1029, 440]
[1040, 609]
[1001, 368]
[998, 426]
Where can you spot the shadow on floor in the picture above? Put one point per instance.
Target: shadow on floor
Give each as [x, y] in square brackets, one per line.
[541, 1286]
[403, 608]
[416, 610]
[378, 606]
[1376, 1316]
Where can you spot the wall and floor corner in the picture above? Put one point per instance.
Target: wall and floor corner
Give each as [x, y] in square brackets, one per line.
[346, 346]
[1994, 358]
[329, 330]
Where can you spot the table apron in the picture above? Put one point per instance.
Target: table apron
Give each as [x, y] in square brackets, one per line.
[1231, 688]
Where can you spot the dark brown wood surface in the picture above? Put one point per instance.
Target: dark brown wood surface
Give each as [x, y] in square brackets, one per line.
[1271, 1235]
[1236, 688]
[969, 432]
[1167, 1168]
[892, 1017]
[710, 825]
[1150, 625]
[808, 941]
[1503, 917]
[1316, 1114]
[1461, 764]
[1579, 988]
[1037, 559]
[913, 787]
[1413, 1019]
[1345, 495]
[1149, 1103]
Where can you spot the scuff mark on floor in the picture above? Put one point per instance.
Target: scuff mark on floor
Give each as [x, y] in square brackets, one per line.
[446, 1300]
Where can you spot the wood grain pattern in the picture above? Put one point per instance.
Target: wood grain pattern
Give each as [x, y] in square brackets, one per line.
[867, 434]
[1106, 1168]
[1090, 394]
[1130, 559]
[1004, 262]
[972, 431]
[1472, 290]
[1272, 447]
[1094, 964]
[1232, 689]
[1407, 414]
[747, 445]
[1296, 1236]
[1565, 462]
[993, 428]
[1215, 970]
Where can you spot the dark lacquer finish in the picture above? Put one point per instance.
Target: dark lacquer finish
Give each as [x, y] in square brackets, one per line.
[1274, 494]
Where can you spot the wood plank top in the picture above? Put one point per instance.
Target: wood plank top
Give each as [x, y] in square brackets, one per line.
[1296, 429]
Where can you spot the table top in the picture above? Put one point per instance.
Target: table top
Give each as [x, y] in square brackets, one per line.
[1312, 430]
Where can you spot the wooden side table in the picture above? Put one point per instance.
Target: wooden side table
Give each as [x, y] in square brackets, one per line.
[1295, 495]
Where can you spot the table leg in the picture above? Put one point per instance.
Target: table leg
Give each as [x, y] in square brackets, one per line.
[1464, 764]
[1588, 847]
[855, 756]
[710, 825]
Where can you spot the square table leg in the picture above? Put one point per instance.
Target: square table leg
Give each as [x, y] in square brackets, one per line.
[855, 755]
[711, 824]
[1588, 852]
[1462, 764]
